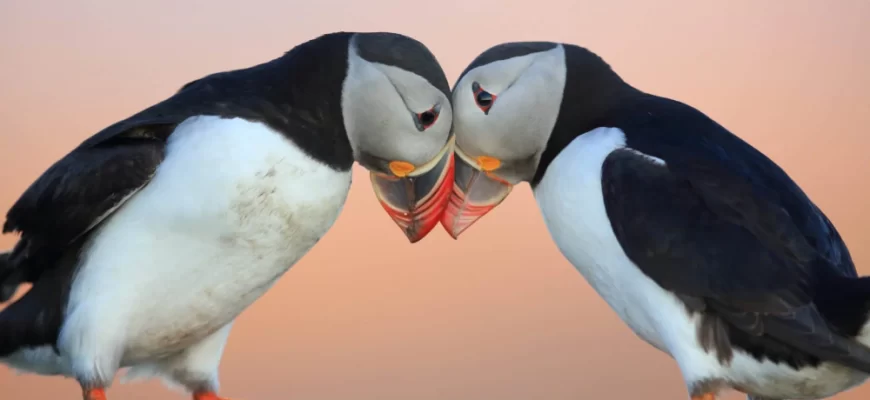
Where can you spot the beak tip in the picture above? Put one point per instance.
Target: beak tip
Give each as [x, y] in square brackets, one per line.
[415, 237]
[449, 225]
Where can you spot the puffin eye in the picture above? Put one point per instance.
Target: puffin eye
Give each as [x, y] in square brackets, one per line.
[427, 118]
[483, 98]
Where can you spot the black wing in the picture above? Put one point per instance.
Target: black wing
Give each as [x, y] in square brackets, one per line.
[72, 197]
[93, 180]
[724, 243]
[81, 189]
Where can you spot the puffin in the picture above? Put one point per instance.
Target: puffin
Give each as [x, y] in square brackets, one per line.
[143, 244]
[701, 244]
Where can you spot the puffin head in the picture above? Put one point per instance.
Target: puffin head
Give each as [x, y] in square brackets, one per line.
[395, 103]
[515, 106]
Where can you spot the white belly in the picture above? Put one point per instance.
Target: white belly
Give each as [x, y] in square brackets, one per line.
[571, 201]
[230, 209]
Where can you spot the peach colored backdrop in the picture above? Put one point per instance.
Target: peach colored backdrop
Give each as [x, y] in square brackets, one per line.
[499, 314]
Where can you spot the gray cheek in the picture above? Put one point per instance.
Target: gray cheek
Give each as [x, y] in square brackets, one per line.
[406, 145]
[475, 138]
[427, 145]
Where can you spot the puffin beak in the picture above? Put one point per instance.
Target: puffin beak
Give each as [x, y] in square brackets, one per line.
[476, 191]
[415, 197]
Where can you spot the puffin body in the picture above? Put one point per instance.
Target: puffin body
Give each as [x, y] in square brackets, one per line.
[228, 191]
[703, 246]
[711, 355]
[144, 243]
[159, 282]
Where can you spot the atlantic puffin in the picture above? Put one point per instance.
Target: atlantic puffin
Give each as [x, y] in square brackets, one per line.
[700, 243]
[145, 242]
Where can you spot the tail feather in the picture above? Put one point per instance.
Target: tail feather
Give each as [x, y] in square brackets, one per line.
[26, 323]
[35, 319]
[845, 303]
[12, 275]
[7, 277]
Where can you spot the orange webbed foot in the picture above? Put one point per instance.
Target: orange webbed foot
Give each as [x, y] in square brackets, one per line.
[208, 396]
[705, 396]
[95, 394]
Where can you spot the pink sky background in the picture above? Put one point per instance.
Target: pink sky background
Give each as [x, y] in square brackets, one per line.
[498, 314]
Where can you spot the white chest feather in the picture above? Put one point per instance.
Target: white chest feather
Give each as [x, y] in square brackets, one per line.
[230, 209]
[571, 201]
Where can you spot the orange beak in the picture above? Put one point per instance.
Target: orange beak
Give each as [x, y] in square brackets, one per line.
[476, 191]
[415, 197]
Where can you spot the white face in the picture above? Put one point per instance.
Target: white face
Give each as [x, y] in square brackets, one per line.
[527, 92]
[382, 107]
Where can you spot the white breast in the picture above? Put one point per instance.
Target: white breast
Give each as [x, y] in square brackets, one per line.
[230, 209]
[571, 201]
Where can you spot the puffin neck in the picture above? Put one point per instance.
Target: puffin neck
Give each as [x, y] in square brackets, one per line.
[316, 71]
[308, 92]
[592, 91]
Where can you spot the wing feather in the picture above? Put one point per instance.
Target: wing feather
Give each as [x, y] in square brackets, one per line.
[705, 233]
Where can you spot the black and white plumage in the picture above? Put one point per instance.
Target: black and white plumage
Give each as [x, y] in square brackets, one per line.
[700, 243]
[145, 242]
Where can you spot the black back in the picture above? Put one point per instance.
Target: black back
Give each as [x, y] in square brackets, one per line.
[298, 94]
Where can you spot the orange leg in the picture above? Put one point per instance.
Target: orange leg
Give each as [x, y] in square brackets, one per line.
[95, 394]
[705, 396]
[207, 396]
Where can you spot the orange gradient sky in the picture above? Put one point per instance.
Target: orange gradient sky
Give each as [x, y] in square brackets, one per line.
[499, 314]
